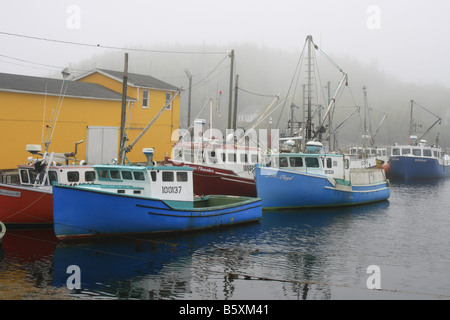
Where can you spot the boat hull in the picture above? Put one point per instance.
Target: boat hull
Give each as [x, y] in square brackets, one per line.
[26, 205]
[281, 189]
[86, 213]
[406, 167]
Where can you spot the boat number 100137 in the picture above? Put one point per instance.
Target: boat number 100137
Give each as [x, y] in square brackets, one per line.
[173, 189]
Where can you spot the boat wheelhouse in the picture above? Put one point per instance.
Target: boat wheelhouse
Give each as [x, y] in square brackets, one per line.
[29, 201]
[219, 168]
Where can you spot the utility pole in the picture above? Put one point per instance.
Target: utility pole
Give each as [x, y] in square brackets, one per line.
[230, 97]
[123, 137]
[189, 98]
[235, 102]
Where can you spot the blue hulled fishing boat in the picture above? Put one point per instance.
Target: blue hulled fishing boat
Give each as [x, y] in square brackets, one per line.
[144, 199]
[417, 160]
[301, 180]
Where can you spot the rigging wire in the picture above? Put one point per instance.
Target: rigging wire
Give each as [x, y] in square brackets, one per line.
[297, 69]
[106, 46]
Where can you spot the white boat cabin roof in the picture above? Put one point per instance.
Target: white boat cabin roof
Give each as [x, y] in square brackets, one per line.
[160, 182]
[417, 151]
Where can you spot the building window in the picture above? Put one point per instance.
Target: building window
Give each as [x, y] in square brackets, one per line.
[168, 97]
[145, 95]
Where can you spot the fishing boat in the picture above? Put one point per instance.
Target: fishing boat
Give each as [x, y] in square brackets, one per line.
[28, 200]
[2, 231]
[222, 165]
[317, 179]
[368, 155]
[219, 168]
[311, 177]
[130, 199]
[417, 160]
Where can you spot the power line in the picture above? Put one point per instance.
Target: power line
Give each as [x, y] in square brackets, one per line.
[105, 47]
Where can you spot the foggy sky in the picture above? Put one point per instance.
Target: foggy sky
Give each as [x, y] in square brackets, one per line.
[406, 39]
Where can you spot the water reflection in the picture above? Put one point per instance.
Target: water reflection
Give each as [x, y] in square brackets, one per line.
[302, 254]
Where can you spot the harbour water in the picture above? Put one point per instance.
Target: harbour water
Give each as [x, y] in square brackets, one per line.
[401, 245]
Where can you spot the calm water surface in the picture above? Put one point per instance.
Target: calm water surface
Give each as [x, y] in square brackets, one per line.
[288, 255]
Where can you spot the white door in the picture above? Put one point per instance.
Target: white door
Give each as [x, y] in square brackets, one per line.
[102, 144]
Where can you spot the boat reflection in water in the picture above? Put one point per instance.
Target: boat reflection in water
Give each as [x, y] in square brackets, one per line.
[284, 256]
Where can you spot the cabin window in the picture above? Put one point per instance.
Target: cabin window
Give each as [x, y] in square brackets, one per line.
[73, 176]
[417, 152]
[406, 151]
[312, 162]
[243, 158]
[89, 175]
[145, 99]
[232, 157]
[103, 174]
[254, 158]
[427, 152]
[115, 174]
[329, 163]
[24, 176]
[187, 156]
[436, 154]
[178, 154]
[167, 176]
[32, 176]
[168, 97]
[396, 152]
[52, 177]
[153, 175]
[126, 175]
[335, 163]
[283, 162]
[296, 161]
[138, 175]
[182, 176]
[212, 156]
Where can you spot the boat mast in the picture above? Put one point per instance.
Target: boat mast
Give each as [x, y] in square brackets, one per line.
[308, 123]
[410, 122]
[123, 137]
[365, 136]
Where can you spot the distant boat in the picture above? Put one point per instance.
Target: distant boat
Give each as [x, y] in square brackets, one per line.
[302, 180]
[144, 199]
[28, 201]
[2, 231]
[417, 160]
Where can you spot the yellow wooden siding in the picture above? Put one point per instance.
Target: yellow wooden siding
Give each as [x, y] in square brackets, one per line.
[159, 135]
[21, 122]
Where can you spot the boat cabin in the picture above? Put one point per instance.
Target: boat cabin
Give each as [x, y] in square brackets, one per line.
[165, 183]
[416, 151]
[32, 175]
[333, 165]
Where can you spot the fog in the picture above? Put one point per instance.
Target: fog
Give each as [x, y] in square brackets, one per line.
[396, 49]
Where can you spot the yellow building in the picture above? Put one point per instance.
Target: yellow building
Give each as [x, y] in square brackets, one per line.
[87, 108]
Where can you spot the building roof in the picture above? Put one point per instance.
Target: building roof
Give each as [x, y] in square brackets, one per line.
[134, 79]
[50, 86]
